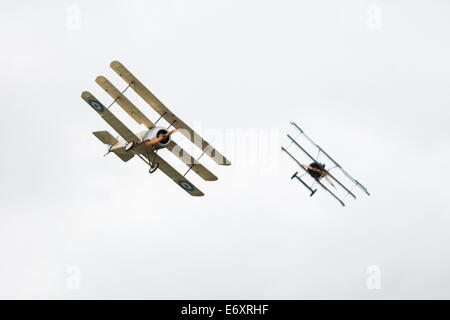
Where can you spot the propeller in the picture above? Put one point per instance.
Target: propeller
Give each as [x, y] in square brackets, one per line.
[158, 139]
[322, 172]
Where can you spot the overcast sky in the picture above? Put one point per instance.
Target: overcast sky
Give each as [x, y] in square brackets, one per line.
[367, 80]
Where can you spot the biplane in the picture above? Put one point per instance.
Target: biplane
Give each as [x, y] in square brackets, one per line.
[317, 172]
[145, 144]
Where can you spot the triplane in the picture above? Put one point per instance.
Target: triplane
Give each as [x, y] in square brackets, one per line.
[146, 144]
[316, 170]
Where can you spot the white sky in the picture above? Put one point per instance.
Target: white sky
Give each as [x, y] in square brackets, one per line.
[371, 90]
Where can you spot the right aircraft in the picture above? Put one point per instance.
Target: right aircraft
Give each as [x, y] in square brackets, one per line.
[317, 172]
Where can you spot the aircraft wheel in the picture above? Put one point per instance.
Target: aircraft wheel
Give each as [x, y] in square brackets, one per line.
[153, 167]
[129, 146]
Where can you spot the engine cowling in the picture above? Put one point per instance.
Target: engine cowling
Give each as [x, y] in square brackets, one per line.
[155, 133]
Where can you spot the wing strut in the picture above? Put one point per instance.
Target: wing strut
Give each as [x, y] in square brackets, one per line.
[168, 115]
[195, 163]
[304, 183]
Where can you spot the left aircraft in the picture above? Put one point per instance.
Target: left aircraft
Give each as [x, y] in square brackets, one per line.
[146, 144]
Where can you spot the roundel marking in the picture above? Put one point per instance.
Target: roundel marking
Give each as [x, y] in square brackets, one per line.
[96, 105]
[186, 185]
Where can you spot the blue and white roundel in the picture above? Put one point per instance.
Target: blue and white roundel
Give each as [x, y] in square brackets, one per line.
[96, 105]
[186, 185]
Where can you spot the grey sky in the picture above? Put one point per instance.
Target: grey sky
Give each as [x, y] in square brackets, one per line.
[372, 92]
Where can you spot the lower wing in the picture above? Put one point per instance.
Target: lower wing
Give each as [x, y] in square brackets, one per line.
[173, 174]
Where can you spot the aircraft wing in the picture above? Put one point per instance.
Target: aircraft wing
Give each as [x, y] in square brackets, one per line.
[164, 112]
[191, 162]
[123, 155]
[336, 165]
[107, 138]
[313, 159]
[334, 196]
[109, 117]
[173, 174]
[124, 102]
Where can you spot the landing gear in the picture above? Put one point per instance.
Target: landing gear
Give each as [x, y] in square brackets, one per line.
[129, 146]
[153, 167]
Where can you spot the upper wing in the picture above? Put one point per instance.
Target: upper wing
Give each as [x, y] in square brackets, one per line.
[159, 107]
[112, 120]
[173, 174]
[140, 118]
[124, 102]
[190, 161]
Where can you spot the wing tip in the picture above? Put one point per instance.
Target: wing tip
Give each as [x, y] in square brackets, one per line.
[225, 163]
[115, 64]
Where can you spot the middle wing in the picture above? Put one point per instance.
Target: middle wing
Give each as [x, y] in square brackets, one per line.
[164, 112]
